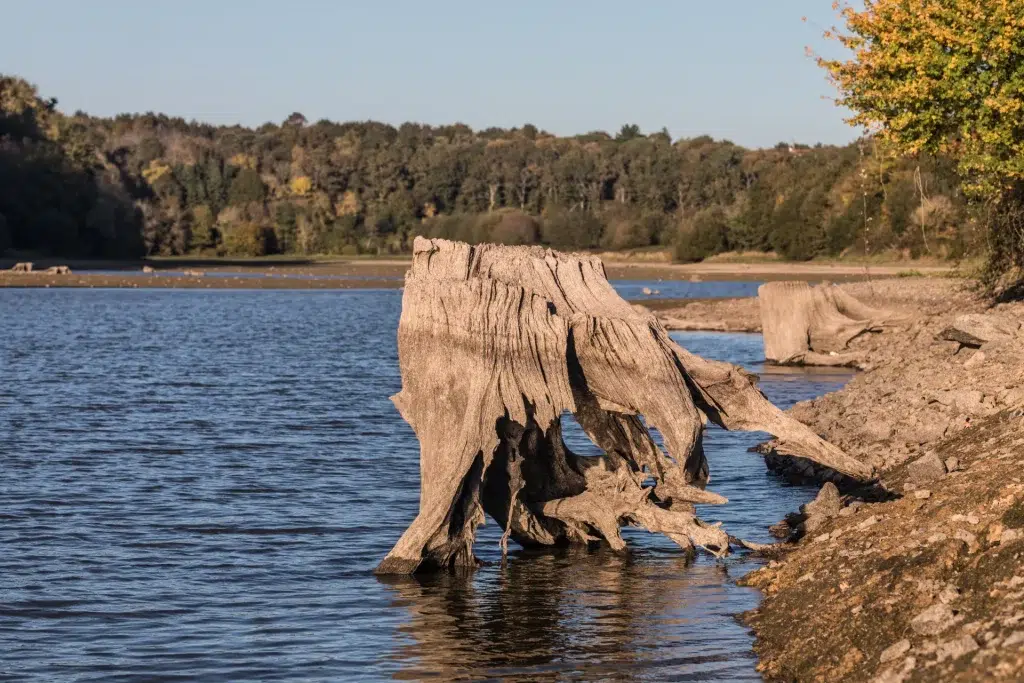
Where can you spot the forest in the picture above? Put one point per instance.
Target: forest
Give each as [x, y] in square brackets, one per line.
[147, 184]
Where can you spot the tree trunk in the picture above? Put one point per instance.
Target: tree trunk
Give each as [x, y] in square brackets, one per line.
[495, 343]
[806, 325]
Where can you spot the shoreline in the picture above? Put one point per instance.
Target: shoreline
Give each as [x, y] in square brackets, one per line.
[920, 577]
[389, 273]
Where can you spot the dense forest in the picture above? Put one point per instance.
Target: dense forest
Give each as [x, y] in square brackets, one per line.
[78, 185]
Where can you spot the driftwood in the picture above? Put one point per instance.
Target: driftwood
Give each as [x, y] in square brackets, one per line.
[495, 343]
[806, 325]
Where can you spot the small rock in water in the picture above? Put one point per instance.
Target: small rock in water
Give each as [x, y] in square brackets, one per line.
[647, 291]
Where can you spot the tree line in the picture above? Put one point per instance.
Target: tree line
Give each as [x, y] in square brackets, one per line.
[133, 185]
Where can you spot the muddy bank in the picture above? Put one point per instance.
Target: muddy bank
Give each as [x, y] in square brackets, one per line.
[922, 577]
[289, 273]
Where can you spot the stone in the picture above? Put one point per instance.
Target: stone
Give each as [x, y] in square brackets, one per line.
[147, 269]
[926, 468]
[647, 291]
[923, 494]
[952, 464]
[875, 431]
[895, 651]
[827, 503]
[1014, 639]
[948, 594]
[967, 401]
[24, 267]
[974, 361]
[954, 649]
[975, 329]
[933, 620]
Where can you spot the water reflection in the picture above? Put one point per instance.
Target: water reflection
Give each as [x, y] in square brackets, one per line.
[573, 614]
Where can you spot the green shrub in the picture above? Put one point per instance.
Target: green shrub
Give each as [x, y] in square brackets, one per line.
[706, 234]
[571, 229]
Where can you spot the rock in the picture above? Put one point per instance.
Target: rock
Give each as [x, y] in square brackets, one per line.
[967, 401]
[895, 651]
[25, 267]
[923, 494]
[58, 270]
[1011, 535]
[952, 464]
[1014, 639]
[926, 468]
[924, 429]
[826, 504]
[954, 649]
[975, 329]
[874, 431]
[147, 269]
[933, 620]
[974, 361]
[898, 674]
[948, 594]
[647, 291]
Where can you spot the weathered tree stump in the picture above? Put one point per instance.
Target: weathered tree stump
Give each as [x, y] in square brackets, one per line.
[495, 343]
[806, 325]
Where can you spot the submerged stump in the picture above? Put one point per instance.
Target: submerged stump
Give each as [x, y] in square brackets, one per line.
[495, 343]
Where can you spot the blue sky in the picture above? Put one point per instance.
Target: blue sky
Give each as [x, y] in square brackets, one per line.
[732, 69]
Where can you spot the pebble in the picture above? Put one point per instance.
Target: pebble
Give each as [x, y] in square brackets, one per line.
[957, 648]
[933, 620]
[895, 651]
[870, 521]
[922, 494]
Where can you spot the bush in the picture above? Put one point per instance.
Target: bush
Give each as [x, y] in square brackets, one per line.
[515, 227]
[627, 229]
[706, 234]
[571, 229]
[248, 239]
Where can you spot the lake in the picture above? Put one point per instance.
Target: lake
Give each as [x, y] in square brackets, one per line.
[197, 485]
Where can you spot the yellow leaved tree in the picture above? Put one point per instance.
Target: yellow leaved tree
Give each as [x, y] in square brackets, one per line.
[945, 77]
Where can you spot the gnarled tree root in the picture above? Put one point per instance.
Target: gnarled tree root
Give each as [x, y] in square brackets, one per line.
[806, 325]
[495, 343]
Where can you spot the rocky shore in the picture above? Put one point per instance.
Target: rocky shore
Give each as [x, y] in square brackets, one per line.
[919, 577]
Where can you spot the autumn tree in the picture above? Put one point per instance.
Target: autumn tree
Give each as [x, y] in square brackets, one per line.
[945, 77]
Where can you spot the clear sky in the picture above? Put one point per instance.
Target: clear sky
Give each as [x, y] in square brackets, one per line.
[733, 69]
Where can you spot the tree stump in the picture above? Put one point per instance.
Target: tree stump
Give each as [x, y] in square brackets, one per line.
[804, 325]
[495, 343]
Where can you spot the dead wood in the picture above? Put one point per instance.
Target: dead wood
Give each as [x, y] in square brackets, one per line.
[806, 325]
[495, 343]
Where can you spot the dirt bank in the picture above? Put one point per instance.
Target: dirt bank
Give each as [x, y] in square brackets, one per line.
[289, 273]
[922, 577]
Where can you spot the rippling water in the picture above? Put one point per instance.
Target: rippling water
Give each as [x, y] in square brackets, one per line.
[196, 485]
